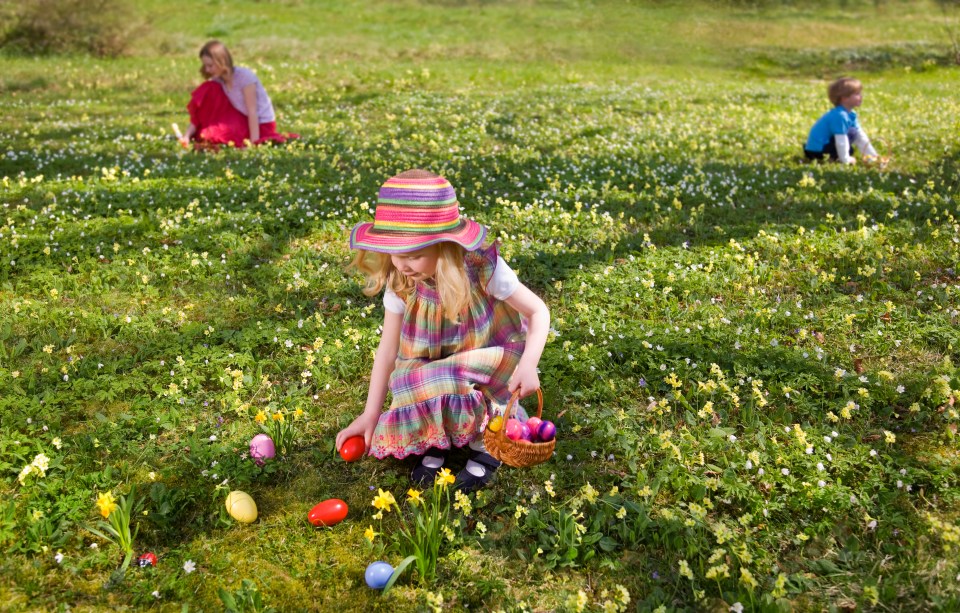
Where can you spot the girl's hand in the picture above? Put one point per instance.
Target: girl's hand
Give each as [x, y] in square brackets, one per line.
[363, 425]
[525, 379]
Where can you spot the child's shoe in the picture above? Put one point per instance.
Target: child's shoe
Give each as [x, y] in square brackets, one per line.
[425, 472]
[478, 472]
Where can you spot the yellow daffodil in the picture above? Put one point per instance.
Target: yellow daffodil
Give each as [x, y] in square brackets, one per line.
[384, 500]
[278, 416]
[414, 497]
[260, 418]
[370, 533]
[445, 477]
[107, 504]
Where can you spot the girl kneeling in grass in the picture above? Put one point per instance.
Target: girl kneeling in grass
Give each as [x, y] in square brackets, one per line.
[456, 321]
[231, 106]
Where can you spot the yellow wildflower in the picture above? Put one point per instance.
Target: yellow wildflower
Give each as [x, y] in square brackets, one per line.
[384, 500]
[370, 533]
[260, 418]
[107, 504]
[445, 477]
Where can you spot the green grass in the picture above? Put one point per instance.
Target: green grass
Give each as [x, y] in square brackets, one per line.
[639, 162]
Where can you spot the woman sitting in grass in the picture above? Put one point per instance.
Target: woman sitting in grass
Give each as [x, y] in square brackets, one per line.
[230, 107]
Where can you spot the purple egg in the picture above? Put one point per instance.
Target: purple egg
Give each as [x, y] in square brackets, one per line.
[262, 447]
[514, 429]
[547, 431]
[525, 432]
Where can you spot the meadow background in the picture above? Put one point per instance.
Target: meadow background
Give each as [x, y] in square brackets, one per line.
[753, 365]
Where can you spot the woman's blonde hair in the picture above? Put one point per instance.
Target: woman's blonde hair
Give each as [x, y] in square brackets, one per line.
[843, 87]
[217, 51]
[451, 278]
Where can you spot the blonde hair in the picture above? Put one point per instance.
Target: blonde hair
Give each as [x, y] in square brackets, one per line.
[217, 51]
[451, 278]
[843, 87]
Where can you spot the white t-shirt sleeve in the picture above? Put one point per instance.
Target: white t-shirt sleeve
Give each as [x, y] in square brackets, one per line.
[503, 282]
[393, 303]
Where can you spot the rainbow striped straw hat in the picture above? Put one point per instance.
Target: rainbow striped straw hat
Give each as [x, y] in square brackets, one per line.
[416, 209]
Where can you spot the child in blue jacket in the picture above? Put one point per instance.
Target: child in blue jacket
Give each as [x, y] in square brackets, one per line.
[837, 131]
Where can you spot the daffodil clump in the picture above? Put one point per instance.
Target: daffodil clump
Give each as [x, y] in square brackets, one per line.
[426, 526]
[117, 527]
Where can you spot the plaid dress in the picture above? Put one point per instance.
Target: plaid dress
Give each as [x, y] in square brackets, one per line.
[442, 366]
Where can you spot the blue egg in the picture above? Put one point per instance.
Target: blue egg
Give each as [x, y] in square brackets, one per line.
[377, 575]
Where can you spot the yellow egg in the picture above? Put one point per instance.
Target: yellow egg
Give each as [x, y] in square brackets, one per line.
[495, 424]
[241, 507]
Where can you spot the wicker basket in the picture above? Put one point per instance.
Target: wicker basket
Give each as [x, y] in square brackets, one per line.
[517, 453]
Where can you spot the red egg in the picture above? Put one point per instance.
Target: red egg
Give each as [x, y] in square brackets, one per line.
[353, 448]
[328, 512]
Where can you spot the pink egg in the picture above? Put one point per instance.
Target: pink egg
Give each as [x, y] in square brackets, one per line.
[262, 447]
[514, 429]
[525, 432]
[547, 431]
[534, 424]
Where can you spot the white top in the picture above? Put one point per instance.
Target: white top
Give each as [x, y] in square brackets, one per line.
[241, 78]
[502, 285]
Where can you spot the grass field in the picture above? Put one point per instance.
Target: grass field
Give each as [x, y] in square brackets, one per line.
[753, 366]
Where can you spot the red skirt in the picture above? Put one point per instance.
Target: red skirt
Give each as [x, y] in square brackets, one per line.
[219, 123]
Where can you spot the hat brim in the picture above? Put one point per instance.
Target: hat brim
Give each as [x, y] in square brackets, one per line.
[468, 235]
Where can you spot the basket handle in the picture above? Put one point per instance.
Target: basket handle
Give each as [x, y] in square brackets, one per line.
[514, 399]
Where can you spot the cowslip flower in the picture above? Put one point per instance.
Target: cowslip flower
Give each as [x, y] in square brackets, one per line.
[463, 503]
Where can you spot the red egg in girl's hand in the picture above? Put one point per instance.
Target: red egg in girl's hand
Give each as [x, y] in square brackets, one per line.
[328, 512]
[547, 431]
[514, 429]
[353, 448]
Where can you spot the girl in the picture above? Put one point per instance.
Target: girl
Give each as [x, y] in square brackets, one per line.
[231, 106]
[452, 329]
